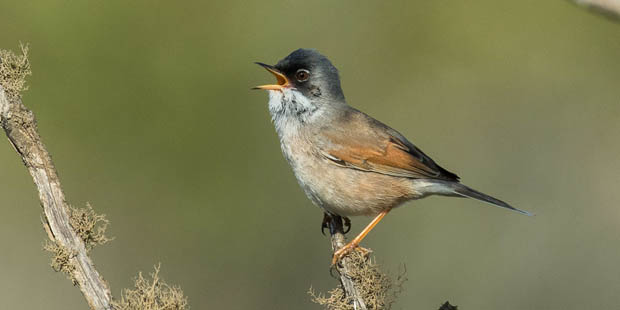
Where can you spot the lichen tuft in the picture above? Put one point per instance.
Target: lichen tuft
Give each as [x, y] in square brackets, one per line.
[13, 72]
[89, 226]
[61, 259]
[152, 295]
[379, 290]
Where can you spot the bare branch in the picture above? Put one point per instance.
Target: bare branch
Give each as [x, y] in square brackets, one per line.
[346, 266]
[20, 127]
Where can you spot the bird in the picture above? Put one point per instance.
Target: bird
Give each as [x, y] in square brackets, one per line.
[346, 162]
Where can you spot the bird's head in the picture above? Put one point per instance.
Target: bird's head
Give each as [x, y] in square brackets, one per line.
[308, 72]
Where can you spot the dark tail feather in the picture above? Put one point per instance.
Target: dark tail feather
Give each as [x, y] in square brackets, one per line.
[464, 191]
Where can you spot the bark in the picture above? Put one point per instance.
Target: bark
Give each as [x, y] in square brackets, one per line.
[344, 267]
[20, 127]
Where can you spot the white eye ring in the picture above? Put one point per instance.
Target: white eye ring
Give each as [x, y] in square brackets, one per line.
[302, 75]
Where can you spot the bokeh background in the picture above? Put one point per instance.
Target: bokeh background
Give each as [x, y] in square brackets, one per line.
[146, 109]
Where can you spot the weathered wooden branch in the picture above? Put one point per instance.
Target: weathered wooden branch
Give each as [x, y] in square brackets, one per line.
[73, 232]
[20, 127]
[344, 267]
[610, 8]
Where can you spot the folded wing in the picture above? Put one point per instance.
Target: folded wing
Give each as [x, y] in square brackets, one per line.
[366, 144]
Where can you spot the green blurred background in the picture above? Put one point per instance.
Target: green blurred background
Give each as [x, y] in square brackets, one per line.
[146, 109]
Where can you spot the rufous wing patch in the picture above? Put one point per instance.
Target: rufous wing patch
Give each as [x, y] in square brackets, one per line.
[387, 156]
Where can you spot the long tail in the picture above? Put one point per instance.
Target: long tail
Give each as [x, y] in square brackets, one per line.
[464, 191]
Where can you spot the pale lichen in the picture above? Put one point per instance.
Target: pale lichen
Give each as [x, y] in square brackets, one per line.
[61, 259]
[89, 226]
[13, 71]
[377, 289]
[152, 295]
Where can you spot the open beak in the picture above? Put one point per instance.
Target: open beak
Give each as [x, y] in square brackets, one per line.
[282, 80]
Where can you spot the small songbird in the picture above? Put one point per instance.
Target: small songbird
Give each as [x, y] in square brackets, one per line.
[347, 162]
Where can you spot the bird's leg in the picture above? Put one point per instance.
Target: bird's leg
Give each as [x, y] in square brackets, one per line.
[354, 244]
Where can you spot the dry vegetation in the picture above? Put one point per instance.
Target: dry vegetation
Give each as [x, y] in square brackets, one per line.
[90, 226]
[379, 290]
[61, 259]
[13, 72]
[152, 294]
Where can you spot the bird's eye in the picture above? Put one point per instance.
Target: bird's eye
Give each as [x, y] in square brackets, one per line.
[302, 75]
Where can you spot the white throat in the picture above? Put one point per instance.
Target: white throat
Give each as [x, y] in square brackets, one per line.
[290, 110]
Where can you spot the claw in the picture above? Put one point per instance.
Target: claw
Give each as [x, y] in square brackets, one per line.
[333, 268]
[345, 250]
[347, 224]
[326, 219]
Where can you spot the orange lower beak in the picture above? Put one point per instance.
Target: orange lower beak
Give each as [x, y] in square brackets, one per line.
[281, 78]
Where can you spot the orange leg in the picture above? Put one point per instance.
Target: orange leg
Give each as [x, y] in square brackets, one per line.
[338, 255]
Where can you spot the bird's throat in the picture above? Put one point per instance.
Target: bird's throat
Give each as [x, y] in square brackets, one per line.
[292, 105]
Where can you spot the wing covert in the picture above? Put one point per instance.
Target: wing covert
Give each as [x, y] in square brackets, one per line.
[375, 147]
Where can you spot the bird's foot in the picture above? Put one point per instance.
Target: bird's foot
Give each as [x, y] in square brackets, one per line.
[327, 219]
[347, 249]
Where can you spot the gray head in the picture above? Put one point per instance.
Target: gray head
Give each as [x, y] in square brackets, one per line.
[311, 73]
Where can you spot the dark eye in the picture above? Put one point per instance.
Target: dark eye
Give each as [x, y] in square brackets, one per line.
[302, 75]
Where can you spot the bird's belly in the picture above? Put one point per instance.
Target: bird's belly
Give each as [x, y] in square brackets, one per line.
[349, 192]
